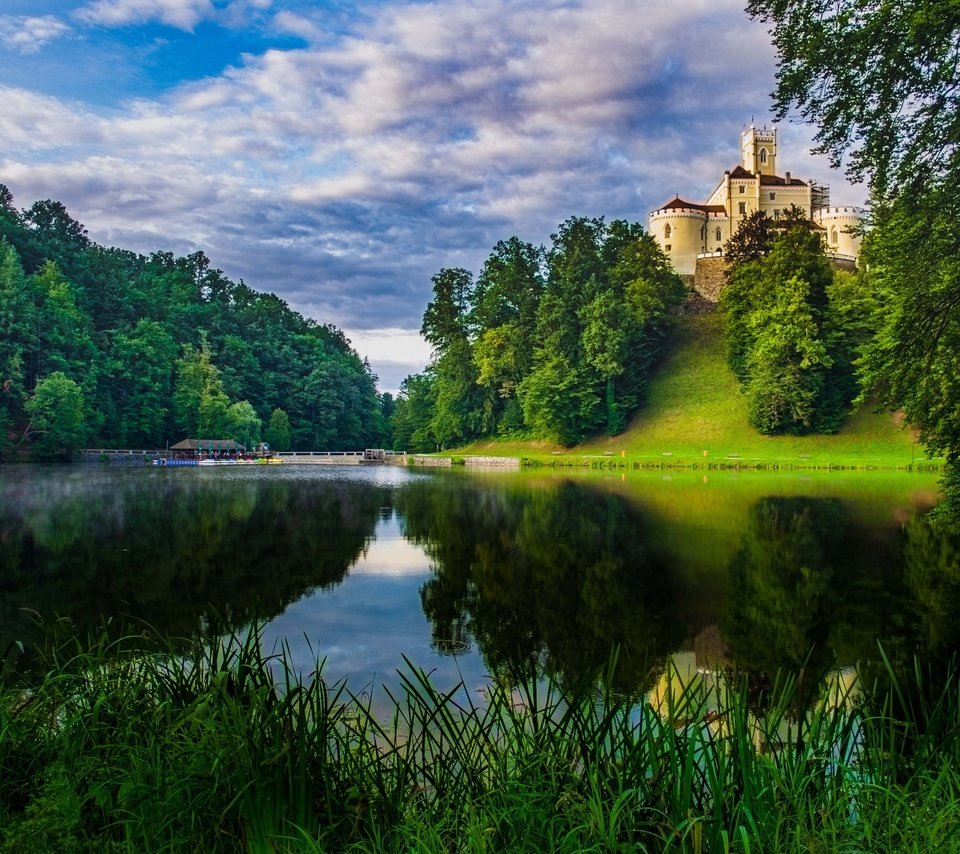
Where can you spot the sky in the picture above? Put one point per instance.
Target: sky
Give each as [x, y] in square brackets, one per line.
[340, 154]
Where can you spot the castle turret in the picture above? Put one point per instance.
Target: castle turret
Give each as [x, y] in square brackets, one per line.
[758, 150]
[681, 229]
[841, 226]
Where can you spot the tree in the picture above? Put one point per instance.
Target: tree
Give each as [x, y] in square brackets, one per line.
[57, 425]
[143, 361]
[787, 362]
[413, 412]
[244, 424]
[912, 361]
[445, 318]
[278, 432]
[199, 401]
[776, 329]
[880, 80]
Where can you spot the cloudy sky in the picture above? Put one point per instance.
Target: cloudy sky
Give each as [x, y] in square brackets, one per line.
[339, 154]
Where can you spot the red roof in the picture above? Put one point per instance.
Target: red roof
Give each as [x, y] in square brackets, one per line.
[677, 202]
[780, 182]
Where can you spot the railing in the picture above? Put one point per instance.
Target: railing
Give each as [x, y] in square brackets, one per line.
[286, 455]
[372, 455]
[125, 452]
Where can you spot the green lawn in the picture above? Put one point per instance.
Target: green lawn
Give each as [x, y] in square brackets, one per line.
[695, 414]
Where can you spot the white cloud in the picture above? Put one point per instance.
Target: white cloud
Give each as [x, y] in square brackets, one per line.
[181, 14]
[28, 34]
[343, 174]
[297, 25]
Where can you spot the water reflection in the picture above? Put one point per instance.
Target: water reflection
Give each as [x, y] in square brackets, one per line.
[510, 575]
[544, 580]
[175, 552]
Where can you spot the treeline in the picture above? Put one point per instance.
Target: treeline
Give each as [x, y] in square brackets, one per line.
[795, 328]
[550, 343]
[108, 347]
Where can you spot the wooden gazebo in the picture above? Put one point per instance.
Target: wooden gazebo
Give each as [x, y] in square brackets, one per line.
[191, 448]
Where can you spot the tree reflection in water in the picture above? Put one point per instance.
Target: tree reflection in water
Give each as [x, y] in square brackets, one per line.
[177, 552]
[545, 580]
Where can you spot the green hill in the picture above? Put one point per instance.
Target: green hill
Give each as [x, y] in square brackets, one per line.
[695, 414]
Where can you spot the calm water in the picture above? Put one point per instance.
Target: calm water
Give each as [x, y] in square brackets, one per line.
[471, 574]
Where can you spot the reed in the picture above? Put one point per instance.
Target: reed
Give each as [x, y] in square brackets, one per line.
[216, 746]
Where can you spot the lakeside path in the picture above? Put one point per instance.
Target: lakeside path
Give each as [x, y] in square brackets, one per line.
[696, 416]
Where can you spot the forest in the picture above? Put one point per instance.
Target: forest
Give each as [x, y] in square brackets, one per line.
[103, 347]
[553, 343]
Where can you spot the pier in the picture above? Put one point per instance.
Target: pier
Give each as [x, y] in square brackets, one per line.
[369, 456]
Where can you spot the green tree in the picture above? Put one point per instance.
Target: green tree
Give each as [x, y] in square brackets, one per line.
[503, 321]
[880, 80]
[787, 362]
[65, 341]
[143, 362]
[881, 83]
[278, 433]
[915, 271]
[445, 317]
[244, 424]
[413, 413]
[58, 426]
[199, 401]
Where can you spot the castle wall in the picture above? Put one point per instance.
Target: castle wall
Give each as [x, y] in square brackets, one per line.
[839, 223]
[710, 277]
[711, 274]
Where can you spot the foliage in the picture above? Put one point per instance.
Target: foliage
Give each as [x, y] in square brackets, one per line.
[881, 81]
[554, 343]
[164, 347]
[786, 363]
[915, 270]
[58, 427]
[787, 330]
[218, 747]
[277, 434]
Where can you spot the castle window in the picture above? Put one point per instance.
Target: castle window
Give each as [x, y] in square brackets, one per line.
[773, 196]
[763, 156]
[833, 237]
[667, 248]
[667, 231]
[776, 214]
[743, 189]
[743, 208]
[719, 236]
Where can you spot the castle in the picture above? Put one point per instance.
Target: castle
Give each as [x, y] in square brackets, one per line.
[693, 235]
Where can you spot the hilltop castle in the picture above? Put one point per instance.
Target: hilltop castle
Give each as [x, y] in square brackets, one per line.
[693, 234]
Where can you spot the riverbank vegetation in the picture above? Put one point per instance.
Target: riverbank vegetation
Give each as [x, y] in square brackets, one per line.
[107, 347]
[880, 83]
[555, 344]
[222, 748]
[694, 405]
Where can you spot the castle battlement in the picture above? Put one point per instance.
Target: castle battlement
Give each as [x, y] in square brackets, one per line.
[688, 231]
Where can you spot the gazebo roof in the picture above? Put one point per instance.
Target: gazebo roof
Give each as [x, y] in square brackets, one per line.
[201, 444]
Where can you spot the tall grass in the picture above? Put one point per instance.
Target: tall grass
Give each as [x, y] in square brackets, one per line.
[220, 747]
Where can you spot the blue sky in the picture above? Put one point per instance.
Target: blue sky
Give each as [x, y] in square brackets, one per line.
[340, 154]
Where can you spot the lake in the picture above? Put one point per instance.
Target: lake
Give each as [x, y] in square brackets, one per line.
[469, 573]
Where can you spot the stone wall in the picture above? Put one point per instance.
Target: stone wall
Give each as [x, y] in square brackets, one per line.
[710, 279]
[711, 275]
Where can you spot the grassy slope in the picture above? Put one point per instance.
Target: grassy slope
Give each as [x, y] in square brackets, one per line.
[695, 414]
